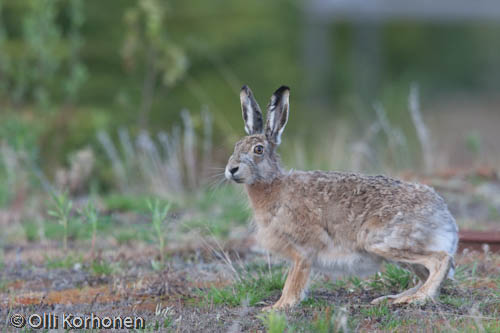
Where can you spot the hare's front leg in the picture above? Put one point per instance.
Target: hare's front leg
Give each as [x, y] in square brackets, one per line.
[295, 284]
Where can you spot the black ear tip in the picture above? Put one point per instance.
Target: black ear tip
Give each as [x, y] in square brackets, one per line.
[281, 90]
[246, 89]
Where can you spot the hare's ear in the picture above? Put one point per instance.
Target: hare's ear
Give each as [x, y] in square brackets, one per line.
[252, 116]
[277, 114]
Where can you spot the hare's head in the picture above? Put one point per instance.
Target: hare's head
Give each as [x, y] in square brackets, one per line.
[254, 158]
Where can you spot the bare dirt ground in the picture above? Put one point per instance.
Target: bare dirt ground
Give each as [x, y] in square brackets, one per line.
[173, 298]
[199, 287]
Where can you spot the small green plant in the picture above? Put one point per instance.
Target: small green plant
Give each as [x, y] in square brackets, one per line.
[101, 267]
[61, 209]
[158, 215]
[356, 282]
[158, 325]
[396, 276]
[380, 311]
[91, 215]
[274, 322]
[393, 277]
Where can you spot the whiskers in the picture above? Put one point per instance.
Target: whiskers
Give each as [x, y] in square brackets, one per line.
[216, 180]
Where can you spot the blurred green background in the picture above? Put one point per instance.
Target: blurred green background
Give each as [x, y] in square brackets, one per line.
[70, 70]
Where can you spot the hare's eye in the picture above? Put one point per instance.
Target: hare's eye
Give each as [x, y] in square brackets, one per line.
[259, 149]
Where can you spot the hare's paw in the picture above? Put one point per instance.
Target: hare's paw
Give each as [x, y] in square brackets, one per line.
[281, 305]
[267, 308]
[275, 306]
[388, 299]
[272, 308]
[417, 298]
[392, 298]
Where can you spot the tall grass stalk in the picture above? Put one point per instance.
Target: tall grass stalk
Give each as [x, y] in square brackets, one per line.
[189, 145]
[422, 131]
[169, 165]
[114, 157]
[396, 140]
[207, 141]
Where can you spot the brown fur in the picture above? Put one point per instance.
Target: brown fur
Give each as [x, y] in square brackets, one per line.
[342, 221]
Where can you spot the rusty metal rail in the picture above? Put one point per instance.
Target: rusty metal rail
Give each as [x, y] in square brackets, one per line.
[475, 240]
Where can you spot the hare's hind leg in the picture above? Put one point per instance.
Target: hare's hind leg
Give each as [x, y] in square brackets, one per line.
[437, 265]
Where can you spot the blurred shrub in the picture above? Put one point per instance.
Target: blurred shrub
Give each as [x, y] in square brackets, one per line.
[147, 39]
[43, 54]
[18, 155]
[103, 65]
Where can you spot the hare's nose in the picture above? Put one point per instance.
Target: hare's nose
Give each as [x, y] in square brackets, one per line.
[233, 170]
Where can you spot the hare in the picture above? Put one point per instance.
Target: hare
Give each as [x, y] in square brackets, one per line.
[342, 222]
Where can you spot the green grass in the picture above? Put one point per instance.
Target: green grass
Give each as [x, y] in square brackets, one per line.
[3, 285]
[250, 289]
[329, 319]
[96, 267]
[67, 262]
[130, 203]
[127, 236]
[478, 325]
[31, 231]
[340, 283]
[380, 310]
[314, 302]
[356, 282]
[217, 212]
[219, 228]
[76, 230]
[392, 277]
[382, 314]
[453, 300]
[101, 267]
[274, 322]
[323, 322]
[225, 203]
[157, 325]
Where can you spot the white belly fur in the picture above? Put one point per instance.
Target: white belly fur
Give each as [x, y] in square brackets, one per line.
[338, 262]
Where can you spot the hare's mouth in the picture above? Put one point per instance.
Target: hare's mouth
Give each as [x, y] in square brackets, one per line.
[238, 179]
